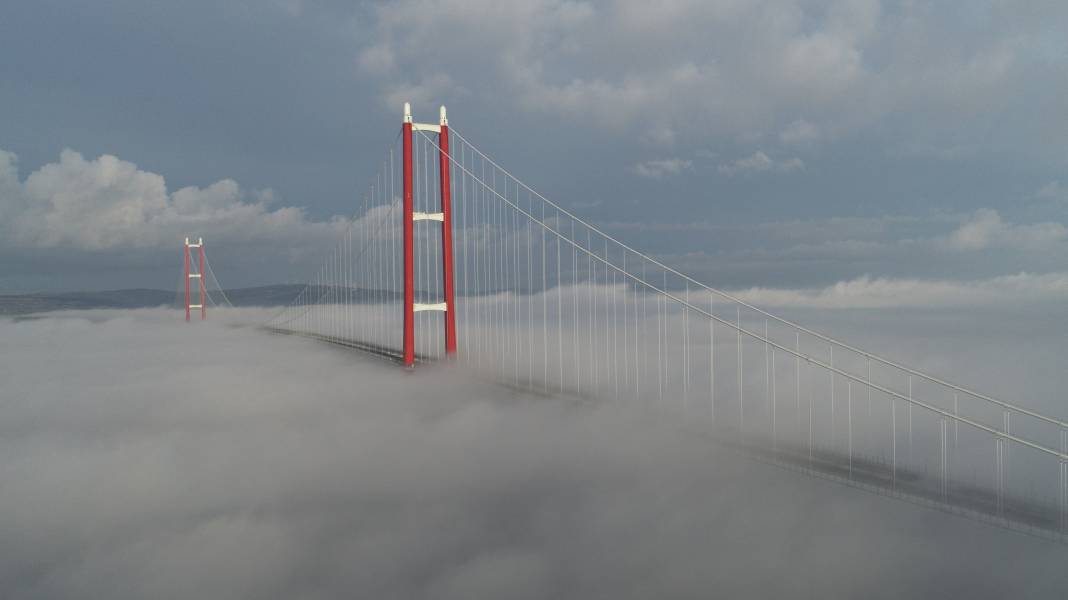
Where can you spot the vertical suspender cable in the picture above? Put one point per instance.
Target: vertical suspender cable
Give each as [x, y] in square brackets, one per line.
[559, 310]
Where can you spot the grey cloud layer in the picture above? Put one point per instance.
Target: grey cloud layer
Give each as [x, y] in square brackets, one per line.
[798, 71]
[670, 112]
[213, 461]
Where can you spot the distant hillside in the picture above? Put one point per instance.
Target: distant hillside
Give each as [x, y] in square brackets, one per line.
[21, 304]
[267, 295]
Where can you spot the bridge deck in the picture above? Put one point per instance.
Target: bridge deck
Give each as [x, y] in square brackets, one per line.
[375, 349]
[1017, 513]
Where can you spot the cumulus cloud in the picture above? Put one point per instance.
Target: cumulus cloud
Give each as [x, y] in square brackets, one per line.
[755, 163]
[1053, 190]
[986, 229]
[806, 69]
[799, 132]
[659, 169]
[377, 58]
[76, 210]
[425, 91]
[106, 202]
[287, 469]
[760, 162]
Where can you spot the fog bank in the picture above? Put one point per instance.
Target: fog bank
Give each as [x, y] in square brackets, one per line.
[144, 457]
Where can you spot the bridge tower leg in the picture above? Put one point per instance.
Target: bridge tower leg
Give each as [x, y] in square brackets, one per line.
[408, 240]
[446, 237]
[186, 252]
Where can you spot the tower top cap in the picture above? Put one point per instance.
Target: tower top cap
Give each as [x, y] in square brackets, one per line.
[407, 112]
[444, 119]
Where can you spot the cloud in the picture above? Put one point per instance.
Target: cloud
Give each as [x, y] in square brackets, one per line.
[659, 169]
[759, 162]
[986, 229]
[824, 250]
[808, 69]
[881, 292]
[1053, 191]
[293, 8]
[424, 92]
[107, 203]
[275, 467]
[790, 164]
[109, 215]
[377, 59]
[799, 132]
[756, 163]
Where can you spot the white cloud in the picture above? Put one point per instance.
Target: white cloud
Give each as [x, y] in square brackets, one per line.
[697, 68]
[1053, 190]
[880, 292]
[986, 229]
[424, 93]
[756, 163]
[293, 8]
[799, 132]
[760, 162]
[377, 59]
[791, 164]
[659, 169]
[106, 203]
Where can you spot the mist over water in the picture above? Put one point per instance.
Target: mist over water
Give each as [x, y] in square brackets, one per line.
[144, 457]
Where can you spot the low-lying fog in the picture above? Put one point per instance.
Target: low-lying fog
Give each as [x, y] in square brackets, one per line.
[141, 457]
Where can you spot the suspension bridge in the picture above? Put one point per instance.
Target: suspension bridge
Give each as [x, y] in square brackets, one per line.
[450, 257]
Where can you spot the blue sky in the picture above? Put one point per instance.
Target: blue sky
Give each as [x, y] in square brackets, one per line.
[775, 144]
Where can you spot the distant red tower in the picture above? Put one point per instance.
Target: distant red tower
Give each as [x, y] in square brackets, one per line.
[198, 275]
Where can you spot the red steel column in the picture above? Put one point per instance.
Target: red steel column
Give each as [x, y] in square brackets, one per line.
[203, 295]
[409, 240]
[187, 279]
[446, 237]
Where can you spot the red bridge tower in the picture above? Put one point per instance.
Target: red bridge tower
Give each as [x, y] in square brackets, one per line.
[445, 218]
